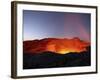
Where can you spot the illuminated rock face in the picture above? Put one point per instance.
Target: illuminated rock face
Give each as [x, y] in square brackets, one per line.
[60, 46]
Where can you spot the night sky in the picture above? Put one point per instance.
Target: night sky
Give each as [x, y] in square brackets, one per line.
[43, 24]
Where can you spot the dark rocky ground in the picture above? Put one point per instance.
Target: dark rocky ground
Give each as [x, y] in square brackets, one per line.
[53, 60]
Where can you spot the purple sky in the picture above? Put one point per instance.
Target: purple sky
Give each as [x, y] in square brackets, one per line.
[43, 24]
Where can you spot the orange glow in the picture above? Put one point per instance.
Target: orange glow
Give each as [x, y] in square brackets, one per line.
[60, 46]
[64, 51]
[64, 46]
